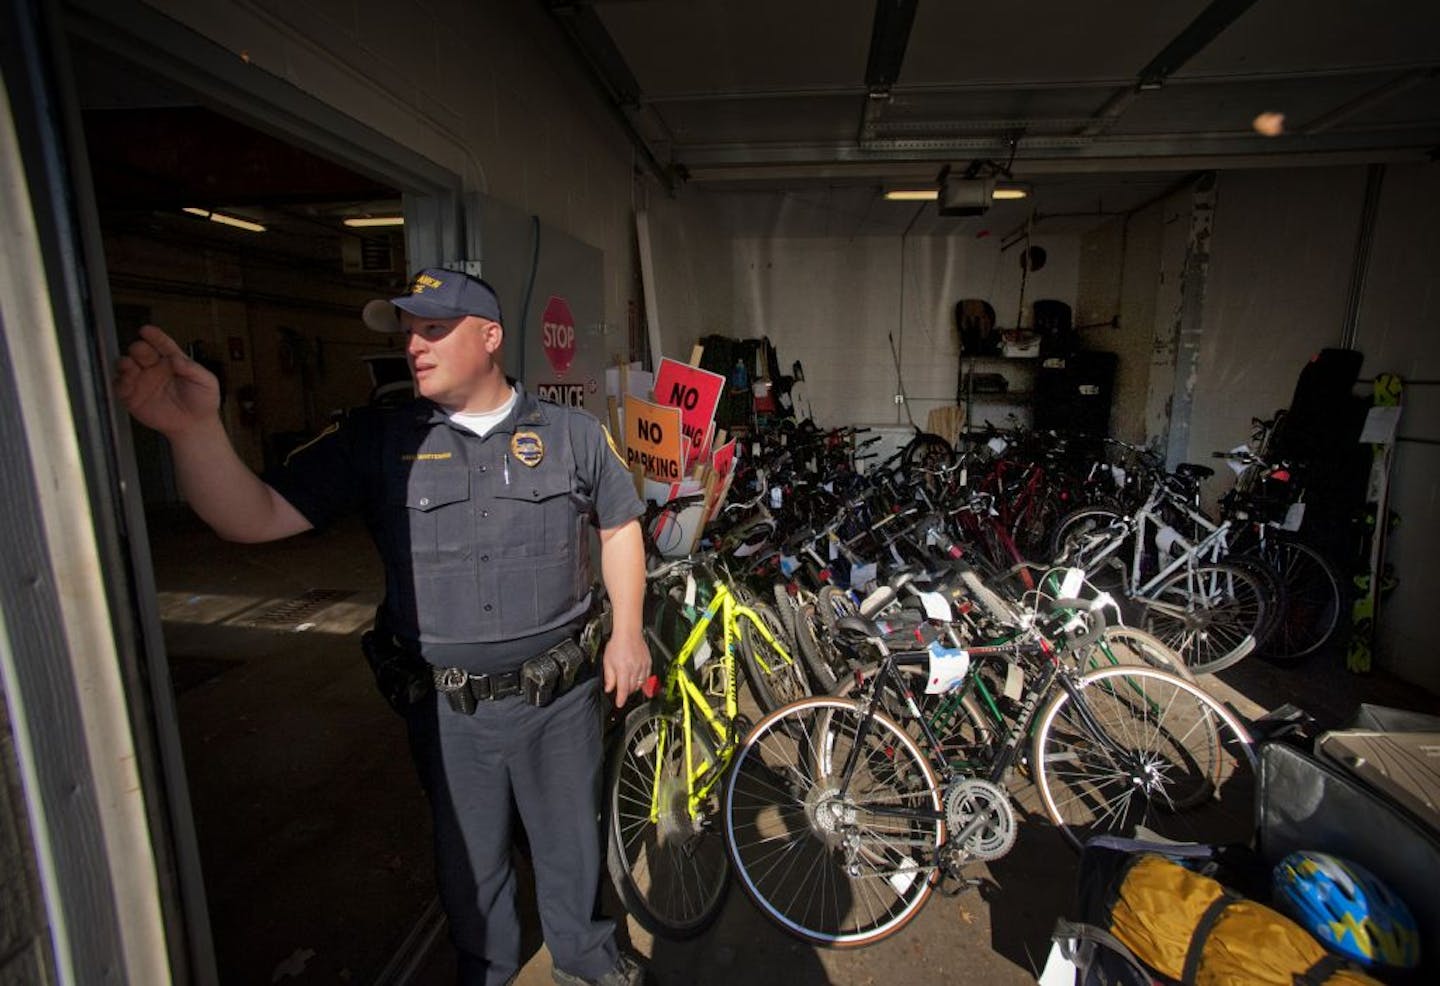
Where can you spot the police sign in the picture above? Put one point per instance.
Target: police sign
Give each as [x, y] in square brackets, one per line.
[568, 394]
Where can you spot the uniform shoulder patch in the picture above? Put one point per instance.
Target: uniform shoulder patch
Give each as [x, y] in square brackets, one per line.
[330, 429]
[610, 441]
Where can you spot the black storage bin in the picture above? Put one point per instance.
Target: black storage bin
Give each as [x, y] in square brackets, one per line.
[1073, 393]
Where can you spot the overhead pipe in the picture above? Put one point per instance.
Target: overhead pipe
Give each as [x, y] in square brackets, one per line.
[589, 39]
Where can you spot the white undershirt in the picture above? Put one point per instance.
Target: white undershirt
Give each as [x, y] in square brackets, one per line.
[480, 422]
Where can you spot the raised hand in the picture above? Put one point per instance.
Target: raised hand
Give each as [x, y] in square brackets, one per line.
[162, 387]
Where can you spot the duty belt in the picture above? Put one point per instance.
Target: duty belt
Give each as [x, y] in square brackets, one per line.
[539, 679]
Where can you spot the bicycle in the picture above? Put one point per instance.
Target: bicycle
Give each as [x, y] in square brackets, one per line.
[840, 822]
[664, 853]
[1195, 598]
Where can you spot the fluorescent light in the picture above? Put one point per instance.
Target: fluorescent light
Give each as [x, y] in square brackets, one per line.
[360, 221]
[224, 220]
[931, 194]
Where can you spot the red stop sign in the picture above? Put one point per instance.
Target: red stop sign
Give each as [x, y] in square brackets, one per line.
[557, 333]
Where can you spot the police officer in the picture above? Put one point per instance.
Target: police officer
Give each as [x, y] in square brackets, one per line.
[479, 498]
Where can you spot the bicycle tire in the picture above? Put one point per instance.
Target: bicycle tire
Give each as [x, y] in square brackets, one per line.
[776, 677]
[1211, 614]
[1312, 601]
[927, 451]
[1110, 576]
[671, 874]
[787, 607]
[1275, 595]
[820, 865]
[1119, 644]
[1173, 763]
[819, 652]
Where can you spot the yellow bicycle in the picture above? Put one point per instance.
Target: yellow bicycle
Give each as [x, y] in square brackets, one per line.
[665, 844]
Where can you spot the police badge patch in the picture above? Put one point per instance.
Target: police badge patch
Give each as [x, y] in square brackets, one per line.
[527, 447]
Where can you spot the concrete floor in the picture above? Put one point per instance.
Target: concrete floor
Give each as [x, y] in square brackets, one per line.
[314, 835]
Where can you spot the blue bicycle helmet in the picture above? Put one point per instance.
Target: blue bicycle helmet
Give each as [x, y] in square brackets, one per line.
[1347, 909]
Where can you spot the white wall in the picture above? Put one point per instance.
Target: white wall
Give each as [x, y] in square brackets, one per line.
[1280, 263]
[487, 90]
[1399, 331]
[1280, 267]
[1131, 267]
[834, 302]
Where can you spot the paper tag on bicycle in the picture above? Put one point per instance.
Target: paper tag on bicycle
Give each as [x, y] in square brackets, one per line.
[810, 465]
[1294, 516]
[834, 547]
[937, 607]
[777, 497]
[996, 445]
[788, 565]
[1014, 682]
[1070, 586]
[690, 591]
[903, 879]
[1119, 474]
[828, 487]
[948, 667]
[862, 575]
[755, 450]
[964, 477]
[702, 654]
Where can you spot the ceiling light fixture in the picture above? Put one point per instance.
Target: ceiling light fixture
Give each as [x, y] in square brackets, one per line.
[912, 194]
[220, 217]
[1008, 193]
[363, 221]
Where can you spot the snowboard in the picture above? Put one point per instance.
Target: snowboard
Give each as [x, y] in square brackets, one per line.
[1379, 431]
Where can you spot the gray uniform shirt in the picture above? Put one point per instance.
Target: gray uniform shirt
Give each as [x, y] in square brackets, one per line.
[484, 540]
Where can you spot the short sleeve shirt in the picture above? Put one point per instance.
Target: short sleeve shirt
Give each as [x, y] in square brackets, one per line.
[484, 540]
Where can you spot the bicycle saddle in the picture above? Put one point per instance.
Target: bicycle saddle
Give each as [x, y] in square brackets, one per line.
[860, 625]
[1193, 471]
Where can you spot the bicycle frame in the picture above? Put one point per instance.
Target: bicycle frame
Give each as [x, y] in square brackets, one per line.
[681, 688]
[1213, 547]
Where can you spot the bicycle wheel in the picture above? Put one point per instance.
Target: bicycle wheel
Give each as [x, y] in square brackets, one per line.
[835, 864]
[1119, 644]
[827, 665]
[927, 451]
[776, 677]
[1274, 593]
[1078, 533]
[1211, 614]
[1139, 753]
[965, 733]
[787, 607]
[1312, 601]
[669, 867]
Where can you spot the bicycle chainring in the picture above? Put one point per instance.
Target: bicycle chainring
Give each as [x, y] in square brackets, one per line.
[972, 799]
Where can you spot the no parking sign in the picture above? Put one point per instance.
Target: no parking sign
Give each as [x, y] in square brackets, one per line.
[696, 393]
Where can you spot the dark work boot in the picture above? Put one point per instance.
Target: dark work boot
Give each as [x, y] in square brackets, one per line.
[627, 972]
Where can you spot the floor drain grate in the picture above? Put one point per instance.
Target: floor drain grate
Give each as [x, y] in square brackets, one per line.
[286, 614]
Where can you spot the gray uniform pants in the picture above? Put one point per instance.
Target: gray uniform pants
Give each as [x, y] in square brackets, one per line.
[549, 761]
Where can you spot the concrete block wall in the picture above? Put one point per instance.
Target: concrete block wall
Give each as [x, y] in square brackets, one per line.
[835, 304]
[829, 294]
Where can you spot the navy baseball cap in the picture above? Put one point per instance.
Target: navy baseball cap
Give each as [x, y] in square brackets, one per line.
[435, 293]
